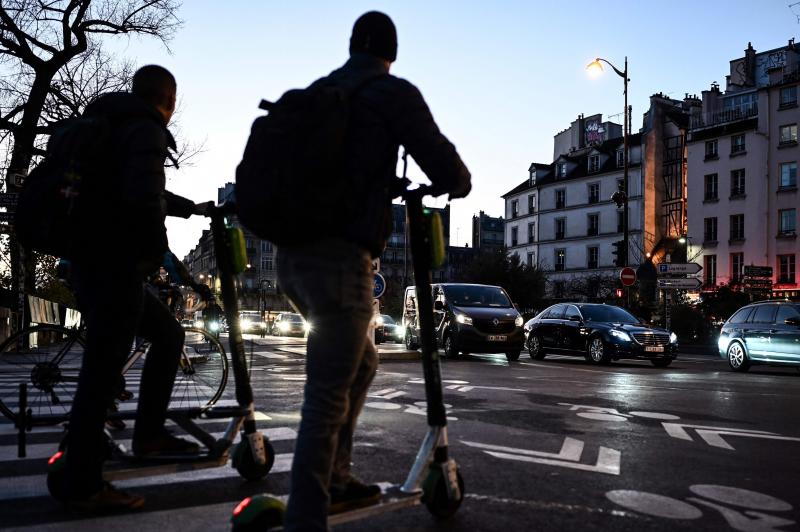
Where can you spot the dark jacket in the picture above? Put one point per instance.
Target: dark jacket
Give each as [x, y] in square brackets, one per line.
[130, 223]
[387, 112]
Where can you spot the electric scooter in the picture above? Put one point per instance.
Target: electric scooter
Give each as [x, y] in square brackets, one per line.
[254, 456]
[434, 478]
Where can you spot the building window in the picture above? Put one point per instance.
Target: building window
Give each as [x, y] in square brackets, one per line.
[737, 227]
[594, 192]
[711, 149]
[786, 268]
[737, 267]
[561, 169]
[266, 264]
[561, 259]
[710, 270]
[788, 97]
[788, 134]
[620, 158]
[620, 222]
[266, 247]
[788, 175]
[788, 218]
[514, 232]
[592, 225]
[594, 163]
[514, 208]
[737, 144]
[532, 204]
[592, 253]
[710, 230]
[737, 182]
[561, 198]
[248, 243]
[531, 232]
[531, 260]
[560, 228]
[710, 187]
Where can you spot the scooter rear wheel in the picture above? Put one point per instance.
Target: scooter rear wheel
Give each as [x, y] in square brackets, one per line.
[246, 465]
[435, 494]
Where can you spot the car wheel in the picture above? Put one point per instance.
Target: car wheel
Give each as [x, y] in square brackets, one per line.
[450, 350]
[512, 355]
[597, 351]
[410, 344]
[737, 358]
[535, 347]
[661, 362]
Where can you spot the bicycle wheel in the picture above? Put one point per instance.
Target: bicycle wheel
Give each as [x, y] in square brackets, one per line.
[202, 372]
[48, 358]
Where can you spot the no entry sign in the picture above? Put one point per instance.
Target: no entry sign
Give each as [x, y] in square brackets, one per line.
[627, 276]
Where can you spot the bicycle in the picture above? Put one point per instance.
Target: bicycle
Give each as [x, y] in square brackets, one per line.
[48, 359]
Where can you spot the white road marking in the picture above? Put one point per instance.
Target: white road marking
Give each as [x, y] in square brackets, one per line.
[653, 504]
[383, 406]
[713, 435]
[655, 415]
[601, 417]
[608, 460]
[759, 522]
[387, 393]
[571, 450]
[752, 500]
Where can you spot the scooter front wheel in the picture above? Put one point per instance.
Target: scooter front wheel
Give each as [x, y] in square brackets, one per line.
[246, 465]
[436, 497]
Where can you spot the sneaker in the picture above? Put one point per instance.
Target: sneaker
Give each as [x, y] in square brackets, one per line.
[125, 395]
[114, 424]
[354, 494]
[163, 444]
[108, 500]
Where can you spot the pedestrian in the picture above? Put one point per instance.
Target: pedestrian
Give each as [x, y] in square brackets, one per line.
[330, 280]
[129, 240]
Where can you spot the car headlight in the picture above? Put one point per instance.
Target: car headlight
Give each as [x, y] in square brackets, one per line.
[306, 326]
[400, 331]
[519, 321]
[378, 321]
[199, 323]
[263, 324]
[673, 338]
[622, 335]
[246, 324]
[463, 319]
[213, 326]
[283, 326]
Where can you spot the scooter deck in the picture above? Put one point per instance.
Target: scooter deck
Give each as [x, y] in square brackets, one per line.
[128, 466]
[392, 499]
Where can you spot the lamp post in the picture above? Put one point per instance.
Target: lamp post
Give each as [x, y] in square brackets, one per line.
[596, 66]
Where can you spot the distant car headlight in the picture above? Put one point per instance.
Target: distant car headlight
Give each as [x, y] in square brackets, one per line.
[378, 321]
[214, 326]
[673, 338]
[519, 321]
[246, 324]
[199, 323]
[463, 319]
[400, 331]
[283, 326]
[622, 335]
[306, 326]
[262, 324]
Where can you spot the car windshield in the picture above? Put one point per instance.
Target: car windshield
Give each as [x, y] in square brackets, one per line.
[293, 317]
[476, 296]
[607, 313]
[387, 319]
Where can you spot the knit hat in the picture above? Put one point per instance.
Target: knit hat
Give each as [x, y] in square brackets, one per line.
[374, 33]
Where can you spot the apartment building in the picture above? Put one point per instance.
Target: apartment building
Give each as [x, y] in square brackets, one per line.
[742, 166]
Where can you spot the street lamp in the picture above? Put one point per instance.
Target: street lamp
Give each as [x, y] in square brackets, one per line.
[595, 68]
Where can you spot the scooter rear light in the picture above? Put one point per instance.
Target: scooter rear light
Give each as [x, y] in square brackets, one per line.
[241, 506]
[56, 457]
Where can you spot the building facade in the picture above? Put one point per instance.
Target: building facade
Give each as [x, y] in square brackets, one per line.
[742, 164]
[488, 233]
[562, 218]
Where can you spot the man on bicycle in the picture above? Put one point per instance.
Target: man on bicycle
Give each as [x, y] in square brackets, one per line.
[132, 239]
[330, 280]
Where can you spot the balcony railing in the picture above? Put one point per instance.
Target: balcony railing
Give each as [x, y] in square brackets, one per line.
[723, 117]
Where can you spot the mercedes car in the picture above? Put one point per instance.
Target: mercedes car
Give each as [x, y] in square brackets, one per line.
[600, 333]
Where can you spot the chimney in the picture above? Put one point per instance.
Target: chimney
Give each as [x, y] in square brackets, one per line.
[750, 65]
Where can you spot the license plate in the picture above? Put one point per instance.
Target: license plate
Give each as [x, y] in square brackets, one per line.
[654, 349]
[496, 338]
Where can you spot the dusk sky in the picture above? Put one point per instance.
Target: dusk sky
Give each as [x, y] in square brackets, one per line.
[501, 77]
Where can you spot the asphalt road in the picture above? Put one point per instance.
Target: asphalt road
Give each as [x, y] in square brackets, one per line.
[542, 445]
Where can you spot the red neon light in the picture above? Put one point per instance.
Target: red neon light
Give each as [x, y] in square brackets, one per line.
[55, 458]
[241, 506]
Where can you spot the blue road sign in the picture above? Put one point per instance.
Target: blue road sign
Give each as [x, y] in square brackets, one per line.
[380, 286]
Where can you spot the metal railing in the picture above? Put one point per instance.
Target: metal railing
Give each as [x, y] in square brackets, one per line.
[723, 117]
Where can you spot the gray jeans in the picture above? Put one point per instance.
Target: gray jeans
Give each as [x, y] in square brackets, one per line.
[330, 283]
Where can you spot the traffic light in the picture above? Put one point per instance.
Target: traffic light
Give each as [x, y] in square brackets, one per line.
[619, 253]
[619, 293]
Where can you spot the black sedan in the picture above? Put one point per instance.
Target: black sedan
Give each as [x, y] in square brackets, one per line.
[600, 333]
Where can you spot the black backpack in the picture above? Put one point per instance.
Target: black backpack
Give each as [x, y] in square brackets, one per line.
[290, 184]
[55, 205]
